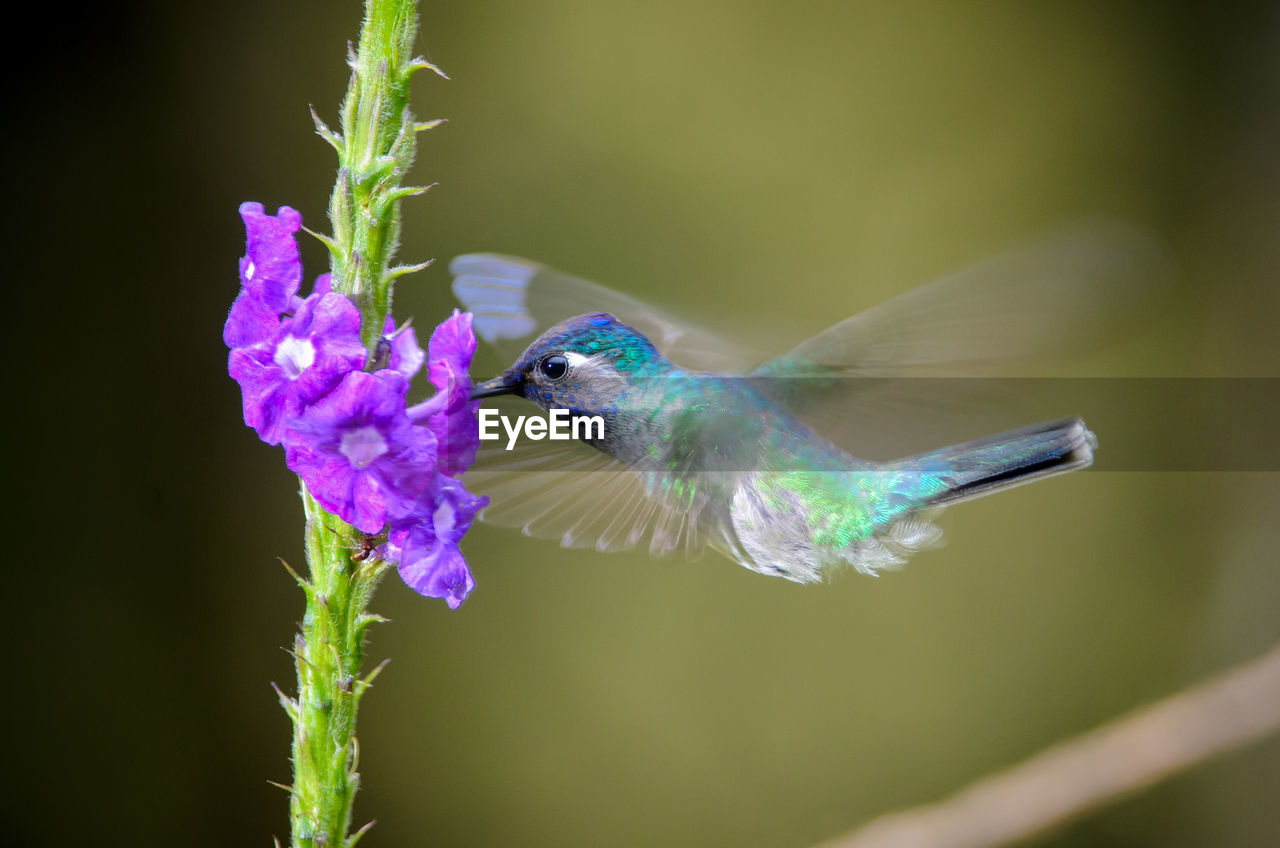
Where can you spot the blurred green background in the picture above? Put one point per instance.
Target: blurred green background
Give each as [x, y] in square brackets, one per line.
[784, 163]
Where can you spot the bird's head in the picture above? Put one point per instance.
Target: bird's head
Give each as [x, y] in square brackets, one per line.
[582, 364]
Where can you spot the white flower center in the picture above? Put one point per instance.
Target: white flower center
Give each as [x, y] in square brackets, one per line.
[363, 445]
[443, 519]
[249, 269]
[295, 355]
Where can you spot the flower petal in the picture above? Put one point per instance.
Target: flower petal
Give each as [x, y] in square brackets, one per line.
[306, 357]
[250, 321]
[427, 542]
[329, 446]
[271, 268]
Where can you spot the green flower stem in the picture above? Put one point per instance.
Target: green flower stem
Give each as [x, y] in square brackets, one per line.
[375, 149]
[329, 653]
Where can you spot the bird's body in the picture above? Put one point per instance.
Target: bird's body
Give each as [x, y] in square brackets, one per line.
[721, 461]
[703, 446]
[798, 505]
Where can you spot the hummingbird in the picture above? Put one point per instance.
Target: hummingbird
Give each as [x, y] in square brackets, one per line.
[698, 451]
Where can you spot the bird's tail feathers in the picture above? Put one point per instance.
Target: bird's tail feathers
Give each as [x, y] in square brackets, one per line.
[992, 464]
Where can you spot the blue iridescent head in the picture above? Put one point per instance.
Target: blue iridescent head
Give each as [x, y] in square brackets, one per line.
[582, 363]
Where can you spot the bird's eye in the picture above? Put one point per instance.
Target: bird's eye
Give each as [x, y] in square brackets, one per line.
[554, 367]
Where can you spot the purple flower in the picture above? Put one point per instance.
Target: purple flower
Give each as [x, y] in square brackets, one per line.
[405, 355]
[427, 542]
[270, 273]
[271, 269]
[307, 356]
[250, 322]
[346, 432]
[451, 414]
[359, 454]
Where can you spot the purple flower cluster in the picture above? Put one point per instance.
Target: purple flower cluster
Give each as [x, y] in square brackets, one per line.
[363, 454]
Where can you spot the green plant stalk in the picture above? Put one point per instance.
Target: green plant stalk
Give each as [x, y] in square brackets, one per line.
[329, 653]
[375, 150]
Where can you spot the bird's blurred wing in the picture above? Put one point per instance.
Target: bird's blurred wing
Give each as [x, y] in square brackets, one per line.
[583, 498]
[514, 300]
[1046, 298]
[914, 372]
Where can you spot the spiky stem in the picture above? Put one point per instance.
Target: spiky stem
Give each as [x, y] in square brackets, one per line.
[375, 149]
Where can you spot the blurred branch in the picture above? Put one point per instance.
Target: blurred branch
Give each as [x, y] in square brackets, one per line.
[1131, 753]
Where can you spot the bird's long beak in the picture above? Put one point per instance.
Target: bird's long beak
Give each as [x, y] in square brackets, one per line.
[503, 384]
